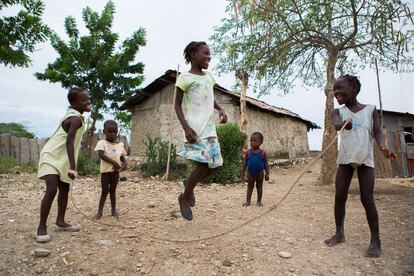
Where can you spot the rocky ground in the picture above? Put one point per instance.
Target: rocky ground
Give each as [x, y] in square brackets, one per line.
[286, 241]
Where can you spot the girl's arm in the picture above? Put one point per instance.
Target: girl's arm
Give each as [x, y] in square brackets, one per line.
[108, 159]
[266, 166]
[190, 134]
[379, 137]
[338, 123]
[71, 124]
[222, 113]
[124, 163]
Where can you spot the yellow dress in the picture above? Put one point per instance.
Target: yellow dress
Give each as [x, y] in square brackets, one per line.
[54, 157]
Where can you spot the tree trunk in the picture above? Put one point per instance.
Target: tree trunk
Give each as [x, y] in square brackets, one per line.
[328, 166]
[91, 130]
[243, 111]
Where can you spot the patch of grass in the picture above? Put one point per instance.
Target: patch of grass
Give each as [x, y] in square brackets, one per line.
[8, 165]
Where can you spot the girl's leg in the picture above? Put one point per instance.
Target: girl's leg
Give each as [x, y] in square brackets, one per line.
[51, 190]
[105, 182]
[192, 180]
[62, 203]
[259, 188]
[366, 186]
[112, 192]
[250, 187]
[200, 172]
[342, 182]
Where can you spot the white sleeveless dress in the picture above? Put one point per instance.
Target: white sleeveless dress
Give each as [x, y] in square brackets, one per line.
[356, 146]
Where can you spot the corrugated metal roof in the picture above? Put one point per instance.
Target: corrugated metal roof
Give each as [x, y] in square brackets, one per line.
[169, 77]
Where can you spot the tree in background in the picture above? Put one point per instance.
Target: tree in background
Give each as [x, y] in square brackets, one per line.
[280, 42]
[91, 61]
[20, 33]
[16, 129]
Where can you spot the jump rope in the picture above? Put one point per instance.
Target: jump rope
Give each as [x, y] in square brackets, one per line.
[182, 241]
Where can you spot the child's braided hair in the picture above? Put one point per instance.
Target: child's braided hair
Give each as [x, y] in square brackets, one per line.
[192, 47]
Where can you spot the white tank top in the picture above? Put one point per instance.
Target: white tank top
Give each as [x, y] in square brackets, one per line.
[356, 146]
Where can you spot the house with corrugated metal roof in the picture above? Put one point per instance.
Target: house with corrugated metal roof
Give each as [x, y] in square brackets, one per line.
[285, 133]
[398, 128]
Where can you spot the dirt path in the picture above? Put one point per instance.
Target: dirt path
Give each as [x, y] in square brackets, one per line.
[298, 227]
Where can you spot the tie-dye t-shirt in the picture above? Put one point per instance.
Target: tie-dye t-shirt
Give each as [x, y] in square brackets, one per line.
[198, 102]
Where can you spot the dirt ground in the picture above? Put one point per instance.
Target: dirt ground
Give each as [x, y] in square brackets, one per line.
[298, 227]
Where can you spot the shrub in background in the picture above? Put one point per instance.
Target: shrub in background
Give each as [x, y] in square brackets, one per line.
[156, 151]
[231, 141]
[87, 166]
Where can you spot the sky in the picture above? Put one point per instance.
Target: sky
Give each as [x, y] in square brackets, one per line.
[170, 26]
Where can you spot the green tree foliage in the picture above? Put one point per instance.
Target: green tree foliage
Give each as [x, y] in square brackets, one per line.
[313, 41]
[16, 129]
[92, 61]
[20, 33]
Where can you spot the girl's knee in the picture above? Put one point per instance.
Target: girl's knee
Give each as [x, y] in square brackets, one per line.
[341, 198]
[51, 191]
[368, 201]
[63, 187]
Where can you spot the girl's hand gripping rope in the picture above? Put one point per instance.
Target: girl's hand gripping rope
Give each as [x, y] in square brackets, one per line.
[222, 116]
[72, 174]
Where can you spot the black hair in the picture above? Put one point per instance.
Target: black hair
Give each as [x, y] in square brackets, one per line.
[259, 134]
[192, 47]
[109, 123]
[73, 92]
[353, 80]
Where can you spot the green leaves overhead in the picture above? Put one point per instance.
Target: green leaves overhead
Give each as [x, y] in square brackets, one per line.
[96, 61]
[20, 33]
[279, 41]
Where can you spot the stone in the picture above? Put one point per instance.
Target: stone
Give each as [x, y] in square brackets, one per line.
[227, 263]
[105, 242]
[41, 252]
[284, 254]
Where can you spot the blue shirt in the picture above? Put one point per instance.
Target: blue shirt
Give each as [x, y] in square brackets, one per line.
[255, 162]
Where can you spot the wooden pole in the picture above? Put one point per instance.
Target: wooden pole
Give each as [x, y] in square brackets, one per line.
[170, 128]
[379, 93]
[244, 77]
[384, 130]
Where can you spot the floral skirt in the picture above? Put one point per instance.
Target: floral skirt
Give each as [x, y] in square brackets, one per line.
[205, 150]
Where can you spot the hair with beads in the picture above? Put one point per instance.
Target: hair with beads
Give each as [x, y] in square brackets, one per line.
[192, 47]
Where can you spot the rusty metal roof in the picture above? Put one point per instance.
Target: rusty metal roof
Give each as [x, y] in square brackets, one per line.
[169, 77]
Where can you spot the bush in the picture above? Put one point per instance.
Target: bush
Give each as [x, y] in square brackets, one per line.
[8, 164]
[87, 166]
[157, 156]
[231, 141]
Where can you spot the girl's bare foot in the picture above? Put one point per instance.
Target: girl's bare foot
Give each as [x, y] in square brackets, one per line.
[97, 216]
[374, 249]
[63, 224]
[259, 204]
[335, 240]
[115, 214]
[247, 203]
[41, 231]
